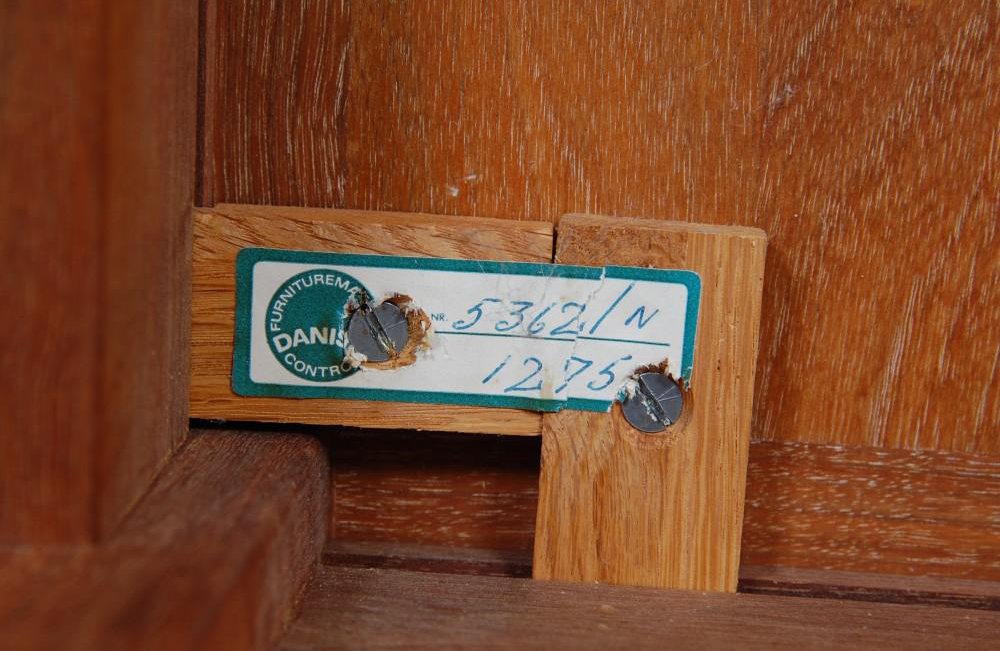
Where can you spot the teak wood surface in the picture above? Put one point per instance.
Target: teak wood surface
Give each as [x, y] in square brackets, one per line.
[221, 233]
[619, 506]
[903, 512]
[862, 137]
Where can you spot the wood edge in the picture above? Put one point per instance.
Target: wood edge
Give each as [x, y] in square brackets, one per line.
[658, 225]
[204, 152]
[753, 579]
[217, 555]
[427, 558]
[395, 218]
[870, 587]
[237, 417]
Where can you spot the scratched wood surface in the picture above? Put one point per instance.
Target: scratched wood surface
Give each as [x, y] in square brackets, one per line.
[95, 199]
[862, 137]
[222, 232]
[348, 608]
[808, 506]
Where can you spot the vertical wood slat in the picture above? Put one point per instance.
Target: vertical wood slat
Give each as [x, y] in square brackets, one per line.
[664, 510]
[97, 121]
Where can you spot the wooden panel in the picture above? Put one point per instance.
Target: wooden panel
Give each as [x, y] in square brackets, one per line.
[214, 557]
[871, 510]
[221, 233]
[879, 191]
[95, 195]
[619, 506]
[492, 109]
[860, 136]
[384, 609]
[435, 489]
[908, 513]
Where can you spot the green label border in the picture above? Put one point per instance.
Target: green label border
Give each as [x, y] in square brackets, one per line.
[246, 259]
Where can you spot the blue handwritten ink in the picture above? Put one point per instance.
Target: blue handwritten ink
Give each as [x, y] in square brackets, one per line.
[640, 314]
[519, 386]
[597, 324]
[505, 325]
[536, 326]
[584, 365]
[564, 329]
[476, 309]
[496, 370]
[608, 373]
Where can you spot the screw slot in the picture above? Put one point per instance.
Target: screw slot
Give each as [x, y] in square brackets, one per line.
[378, 333]
[655, 404]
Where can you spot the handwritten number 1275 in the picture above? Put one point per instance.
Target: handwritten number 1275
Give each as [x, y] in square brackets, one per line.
[533, 367]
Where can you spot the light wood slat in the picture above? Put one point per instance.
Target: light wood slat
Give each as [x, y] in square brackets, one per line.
[665, 510]
[222, 232]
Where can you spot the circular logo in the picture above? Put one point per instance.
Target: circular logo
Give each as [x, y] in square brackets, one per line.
[306, 324]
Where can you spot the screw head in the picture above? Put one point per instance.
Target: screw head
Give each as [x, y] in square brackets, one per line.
[655, 404]
[378, 333]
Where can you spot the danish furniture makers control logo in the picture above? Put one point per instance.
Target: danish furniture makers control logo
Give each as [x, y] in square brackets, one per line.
[306, 324]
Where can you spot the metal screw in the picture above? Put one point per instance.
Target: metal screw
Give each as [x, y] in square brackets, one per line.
[655, 405]
[378, 333]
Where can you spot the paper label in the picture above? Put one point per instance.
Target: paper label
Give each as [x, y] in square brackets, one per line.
[500, 334]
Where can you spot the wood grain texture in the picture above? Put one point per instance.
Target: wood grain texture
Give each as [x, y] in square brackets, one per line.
[434, 489]
[879, 190]
[807, 506]
[619, 506]
[860, 136]
[214, 557]
[867, 510]
[495, 109]
[95, 197]
[348, 608]
[222, 232]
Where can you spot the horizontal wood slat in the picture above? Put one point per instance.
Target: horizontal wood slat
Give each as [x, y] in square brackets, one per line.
[221, 233]
[349, 608]
[754, 579]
